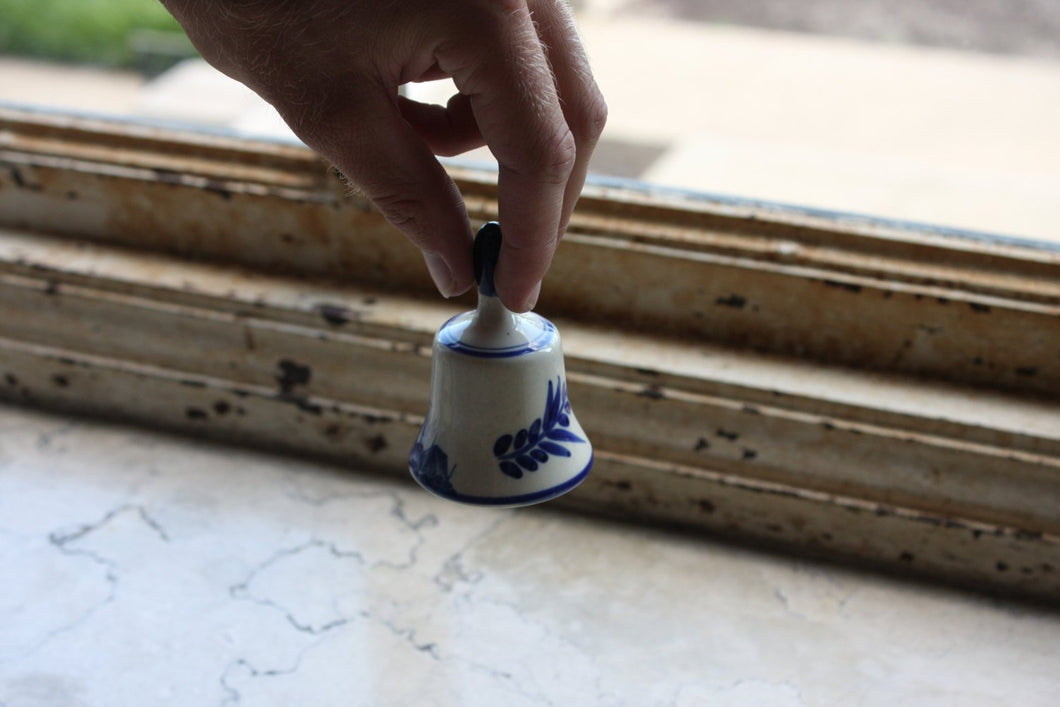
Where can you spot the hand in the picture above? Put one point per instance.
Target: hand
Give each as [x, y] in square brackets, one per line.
[332, 69]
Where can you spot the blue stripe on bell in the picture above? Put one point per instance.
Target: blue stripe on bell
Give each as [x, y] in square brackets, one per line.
[499, 429]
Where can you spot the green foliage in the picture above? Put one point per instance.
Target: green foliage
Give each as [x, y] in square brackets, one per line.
[86, 31]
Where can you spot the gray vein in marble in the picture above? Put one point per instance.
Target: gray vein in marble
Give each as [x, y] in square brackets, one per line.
[46, 439]
[392, 618]
[427, 521]
[453, 571]
[300, 494]
[232, 696]
[544, 636]
[243, 591]
[65, 543]
[409, 635]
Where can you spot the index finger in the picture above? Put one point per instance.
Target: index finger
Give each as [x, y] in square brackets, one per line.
[515, 102]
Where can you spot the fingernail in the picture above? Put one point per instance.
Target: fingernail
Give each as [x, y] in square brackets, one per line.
[441, 274]
[531, 300]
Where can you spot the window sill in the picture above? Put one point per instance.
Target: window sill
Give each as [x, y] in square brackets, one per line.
[918, 465]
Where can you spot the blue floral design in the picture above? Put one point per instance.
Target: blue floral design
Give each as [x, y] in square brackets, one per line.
[431, 467]
[531, 447]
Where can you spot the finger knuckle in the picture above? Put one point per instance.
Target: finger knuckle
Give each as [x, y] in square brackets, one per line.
[557, 156]
[399, 209]
[593, 118]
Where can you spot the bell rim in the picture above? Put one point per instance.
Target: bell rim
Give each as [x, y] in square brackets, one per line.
[526, 499]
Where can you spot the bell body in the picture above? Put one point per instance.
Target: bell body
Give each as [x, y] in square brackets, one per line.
[499, 428]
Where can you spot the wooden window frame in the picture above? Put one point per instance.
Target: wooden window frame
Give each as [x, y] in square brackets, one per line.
[848, 386]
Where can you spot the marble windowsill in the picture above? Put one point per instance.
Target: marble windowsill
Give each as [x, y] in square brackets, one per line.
[140, 568]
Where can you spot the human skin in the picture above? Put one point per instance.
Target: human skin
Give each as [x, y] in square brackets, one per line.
[332, 69]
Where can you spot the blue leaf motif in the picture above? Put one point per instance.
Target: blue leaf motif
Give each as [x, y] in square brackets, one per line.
[531, 447]
[550, 413]
[554, 449]
[511, 470]
[501, 445]
[561, 435]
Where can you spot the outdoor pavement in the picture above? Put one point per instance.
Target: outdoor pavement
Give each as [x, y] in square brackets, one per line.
[936, 135]
[1018, 27]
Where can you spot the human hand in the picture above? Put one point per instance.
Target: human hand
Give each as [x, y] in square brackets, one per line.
[332, 68]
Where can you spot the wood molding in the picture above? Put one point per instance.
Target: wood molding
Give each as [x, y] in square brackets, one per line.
[843, 291]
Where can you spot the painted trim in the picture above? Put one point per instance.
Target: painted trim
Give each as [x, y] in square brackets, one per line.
[448, 337]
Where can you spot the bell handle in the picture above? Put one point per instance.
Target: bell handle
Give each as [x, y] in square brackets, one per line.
[487, 249]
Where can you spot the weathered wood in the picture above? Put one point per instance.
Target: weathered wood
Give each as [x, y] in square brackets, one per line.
[894, 471]
[840, 290]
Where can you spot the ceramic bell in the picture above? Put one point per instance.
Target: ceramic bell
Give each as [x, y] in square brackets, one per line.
[499, 429]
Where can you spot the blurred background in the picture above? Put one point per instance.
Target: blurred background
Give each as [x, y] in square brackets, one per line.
[942, 112]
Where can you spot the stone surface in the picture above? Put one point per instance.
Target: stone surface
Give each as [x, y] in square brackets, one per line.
[1027, 27]
[140, 568]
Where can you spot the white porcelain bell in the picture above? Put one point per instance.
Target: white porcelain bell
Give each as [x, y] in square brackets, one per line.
[499, 428]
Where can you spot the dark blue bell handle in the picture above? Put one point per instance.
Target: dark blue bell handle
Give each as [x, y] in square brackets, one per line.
[487, 249]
